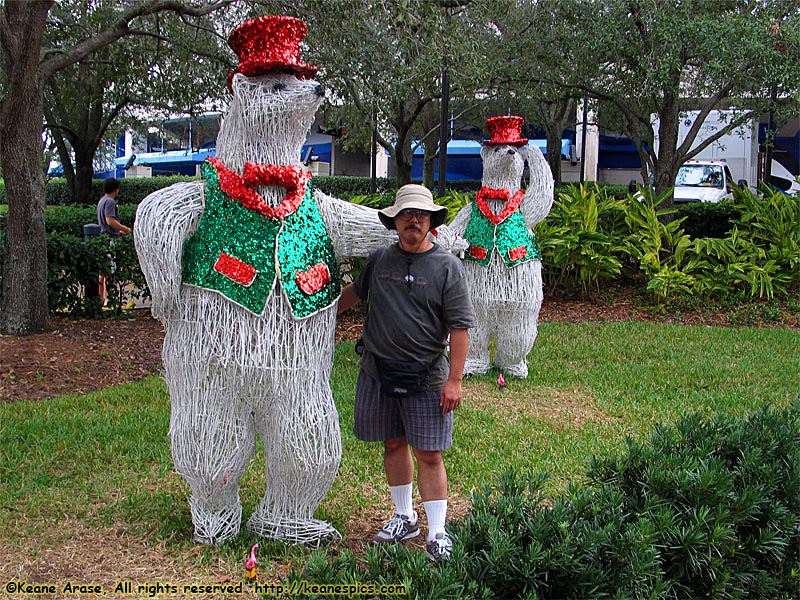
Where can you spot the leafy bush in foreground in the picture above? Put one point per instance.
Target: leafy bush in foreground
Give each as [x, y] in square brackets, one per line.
[701, 509]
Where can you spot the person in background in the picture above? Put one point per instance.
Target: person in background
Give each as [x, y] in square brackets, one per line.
[407, 389]
[108, 219]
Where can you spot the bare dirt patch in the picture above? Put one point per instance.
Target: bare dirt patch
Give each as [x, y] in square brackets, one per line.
[109, 557]
[572, 409]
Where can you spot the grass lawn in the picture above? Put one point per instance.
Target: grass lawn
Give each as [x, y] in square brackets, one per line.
[88, 494]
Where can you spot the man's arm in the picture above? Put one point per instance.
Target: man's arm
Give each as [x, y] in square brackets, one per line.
[117, 226]
[452, 392]
[348, 298]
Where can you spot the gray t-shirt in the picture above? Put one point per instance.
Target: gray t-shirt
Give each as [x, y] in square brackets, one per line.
[414, 301]
[107, 207]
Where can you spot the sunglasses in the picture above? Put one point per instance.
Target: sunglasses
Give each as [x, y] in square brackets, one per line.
[405, 215]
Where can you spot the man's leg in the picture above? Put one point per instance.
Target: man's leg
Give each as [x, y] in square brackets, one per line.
[399, 468]
[397, 461]
[432, 481]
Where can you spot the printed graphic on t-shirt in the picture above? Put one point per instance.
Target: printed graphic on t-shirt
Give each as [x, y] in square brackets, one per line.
[406, 278]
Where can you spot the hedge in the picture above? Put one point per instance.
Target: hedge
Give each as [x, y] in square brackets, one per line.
[133, 190]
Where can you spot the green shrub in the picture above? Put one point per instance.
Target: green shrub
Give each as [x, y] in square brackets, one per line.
[74, 264]
[706, 508]
[346, 187]
[131, 191]
[619, 192]
[69, 220]
[771, 224]
[722, 499]
[706, 219]
[581, 239]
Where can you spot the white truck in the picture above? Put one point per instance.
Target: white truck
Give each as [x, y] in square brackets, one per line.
[733, 158]
[705, 181]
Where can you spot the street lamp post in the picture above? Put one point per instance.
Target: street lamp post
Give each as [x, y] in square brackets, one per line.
[444, 133]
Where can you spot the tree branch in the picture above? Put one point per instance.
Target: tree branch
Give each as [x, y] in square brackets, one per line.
[121, 28]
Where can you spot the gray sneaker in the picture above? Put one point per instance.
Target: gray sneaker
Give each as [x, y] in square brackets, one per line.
[398, 529]
[440, 547]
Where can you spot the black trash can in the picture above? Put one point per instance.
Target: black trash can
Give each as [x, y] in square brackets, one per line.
[91, 282]
[91, 230]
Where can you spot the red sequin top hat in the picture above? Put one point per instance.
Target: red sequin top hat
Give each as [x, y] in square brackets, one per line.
[505, 131]
[270, 43]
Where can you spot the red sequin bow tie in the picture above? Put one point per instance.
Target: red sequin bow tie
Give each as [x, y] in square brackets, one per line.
[241, 187]
[512, 202]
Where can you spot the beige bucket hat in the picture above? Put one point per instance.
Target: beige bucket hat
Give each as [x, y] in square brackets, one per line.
[413, 196]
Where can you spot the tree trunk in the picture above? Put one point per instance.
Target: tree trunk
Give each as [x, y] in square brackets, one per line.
[23, 305]
[554, 154]
[402, 158]
[24, 298]
[65, 158]
[667, 165]
[429, 158]
[428, 171]
[403, 172]
[84, 175]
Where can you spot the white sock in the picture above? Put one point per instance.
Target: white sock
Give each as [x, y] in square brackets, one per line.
[401, 496]
[436, 511]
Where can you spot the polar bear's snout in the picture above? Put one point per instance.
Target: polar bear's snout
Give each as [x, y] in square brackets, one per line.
[320, 90]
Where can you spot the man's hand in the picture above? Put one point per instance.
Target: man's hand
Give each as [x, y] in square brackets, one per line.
[450, 398]
[452, 392]
[116, 225]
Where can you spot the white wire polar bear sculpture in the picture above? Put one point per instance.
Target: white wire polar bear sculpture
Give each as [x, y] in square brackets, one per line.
[243, 272]
[502, 257]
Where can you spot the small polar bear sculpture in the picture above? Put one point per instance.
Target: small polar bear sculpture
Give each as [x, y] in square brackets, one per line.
[243, 272]
[501, 255]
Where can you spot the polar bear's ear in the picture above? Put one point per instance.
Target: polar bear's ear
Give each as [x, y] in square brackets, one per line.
[235, 81]
[485, 150]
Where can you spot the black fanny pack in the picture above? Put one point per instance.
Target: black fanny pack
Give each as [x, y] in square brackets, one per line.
[402, 377]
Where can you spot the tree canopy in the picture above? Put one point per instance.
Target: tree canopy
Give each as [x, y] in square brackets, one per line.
[384, 62]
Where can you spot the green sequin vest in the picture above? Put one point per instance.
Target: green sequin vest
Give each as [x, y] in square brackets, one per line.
[240, 253]
[511, 238]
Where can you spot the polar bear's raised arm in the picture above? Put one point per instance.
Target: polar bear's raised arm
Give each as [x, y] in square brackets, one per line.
[539, 195]
[164, 220]
[356, 230]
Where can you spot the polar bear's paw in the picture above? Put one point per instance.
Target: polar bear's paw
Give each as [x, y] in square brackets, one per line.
[475, 366]
[519, 370]
[215, 526]
[311, 532]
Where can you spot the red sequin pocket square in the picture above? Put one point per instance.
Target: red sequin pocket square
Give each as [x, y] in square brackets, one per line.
[517, 253]
[313, 280]
[478, 252]
[234, 269]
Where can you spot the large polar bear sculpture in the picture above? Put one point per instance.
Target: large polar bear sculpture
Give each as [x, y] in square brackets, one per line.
[243, 272]
[502, 257]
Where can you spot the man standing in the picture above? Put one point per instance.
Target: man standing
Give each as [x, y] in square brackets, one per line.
[108, 219]
[406, 388]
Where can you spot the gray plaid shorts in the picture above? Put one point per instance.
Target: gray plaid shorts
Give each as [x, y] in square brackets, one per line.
[418, 417]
